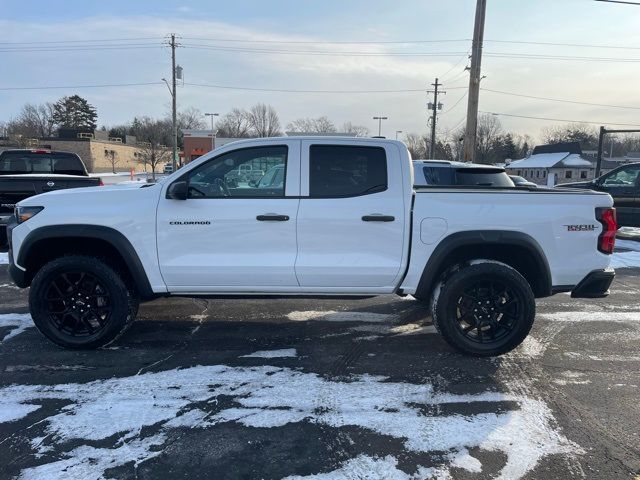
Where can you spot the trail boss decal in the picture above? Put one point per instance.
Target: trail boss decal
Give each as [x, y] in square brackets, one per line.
[581, 228]
[189, 222]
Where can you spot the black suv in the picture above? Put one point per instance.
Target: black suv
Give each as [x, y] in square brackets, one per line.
[623, 184]
[449, 173]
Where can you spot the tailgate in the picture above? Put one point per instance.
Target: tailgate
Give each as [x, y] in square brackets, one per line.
[14, 188]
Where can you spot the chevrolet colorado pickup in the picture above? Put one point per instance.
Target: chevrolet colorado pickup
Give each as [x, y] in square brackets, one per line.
[24, 173]
[345, 221]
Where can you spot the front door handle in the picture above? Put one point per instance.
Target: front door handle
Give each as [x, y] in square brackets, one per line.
[376, 217]
[272, 217]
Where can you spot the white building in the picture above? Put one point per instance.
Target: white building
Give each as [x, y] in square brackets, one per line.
[553, 168]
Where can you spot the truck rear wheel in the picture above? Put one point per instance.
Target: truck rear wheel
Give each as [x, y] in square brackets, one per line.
[80, 302]
[484, 309]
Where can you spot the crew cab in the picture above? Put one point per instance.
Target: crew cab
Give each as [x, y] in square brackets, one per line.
[623, 184]
[345, 221]
[24, 173]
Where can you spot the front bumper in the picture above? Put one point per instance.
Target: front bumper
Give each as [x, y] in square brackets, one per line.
[594, 285]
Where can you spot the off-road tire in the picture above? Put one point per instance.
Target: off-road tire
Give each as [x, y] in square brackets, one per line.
[122, 301]
[508, 315]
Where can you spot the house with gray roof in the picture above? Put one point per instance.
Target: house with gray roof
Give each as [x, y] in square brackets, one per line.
[553, 165]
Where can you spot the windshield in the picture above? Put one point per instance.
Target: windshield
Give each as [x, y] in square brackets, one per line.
[15, 163]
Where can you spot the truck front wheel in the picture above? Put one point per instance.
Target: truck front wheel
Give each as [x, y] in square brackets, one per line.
[485, 308]
[81, 302]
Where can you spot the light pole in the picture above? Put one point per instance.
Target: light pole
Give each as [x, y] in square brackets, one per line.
[213, 135]
[397, 132]
[380, 124]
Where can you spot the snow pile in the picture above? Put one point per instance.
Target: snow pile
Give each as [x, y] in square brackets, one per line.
[16, 322]
[269, 397]
[333, 316]
[283, 353]
[627, 254]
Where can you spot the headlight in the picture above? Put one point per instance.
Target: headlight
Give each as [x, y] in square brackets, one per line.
[25, 213]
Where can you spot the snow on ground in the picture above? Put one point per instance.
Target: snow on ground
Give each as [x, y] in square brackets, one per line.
[16, 322]
[333, 316]
[4, 258]
[270, 397]
[627, 254]
[283, 353]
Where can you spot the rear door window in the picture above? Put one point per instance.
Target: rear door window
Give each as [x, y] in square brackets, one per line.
[346, 171]
[30, 162]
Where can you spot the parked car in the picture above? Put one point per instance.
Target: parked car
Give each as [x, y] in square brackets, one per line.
[24, 173]
[167, 168]
[346, 221]
[623, 184]
[449, 173]
[522, 182]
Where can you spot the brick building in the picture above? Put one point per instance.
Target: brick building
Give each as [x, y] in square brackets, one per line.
[199, 142]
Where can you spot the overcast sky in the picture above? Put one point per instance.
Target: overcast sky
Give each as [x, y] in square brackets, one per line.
[206, 23]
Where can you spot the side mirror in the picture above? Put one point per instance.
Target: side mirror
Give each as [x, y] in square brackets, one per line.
[178, 190]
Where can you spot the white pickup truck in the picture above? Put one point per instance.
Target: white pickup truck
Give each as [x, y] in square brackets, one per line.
[346, 220]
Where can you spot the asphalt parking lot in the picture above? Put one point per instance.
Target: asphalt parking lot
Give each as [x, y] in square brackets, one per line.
[323, 389]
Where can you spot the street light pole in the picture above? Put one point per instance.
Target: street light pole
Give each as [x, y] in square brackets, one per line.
[380, 124]
[213, 135]
[397, 132]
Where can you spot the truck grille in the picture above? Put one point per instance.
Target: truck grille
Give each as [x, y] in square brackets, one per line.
[9, 200]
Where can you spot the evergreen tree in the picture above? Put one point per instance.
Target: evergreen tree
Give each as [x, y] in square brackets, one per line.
[75, 112]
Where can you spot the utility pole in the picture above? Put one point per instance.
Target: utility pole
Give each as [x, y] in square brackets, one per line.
[435, 106]
[174, 122]
[474, 83]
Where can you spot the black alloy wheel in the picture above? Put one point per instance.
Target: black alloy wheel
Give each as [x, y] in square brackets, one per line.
[81, 302]
[485, 308]
[78, 303]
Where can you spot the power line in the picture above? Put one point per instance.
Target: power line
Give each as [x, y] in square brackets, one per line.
[528, 56]
[619, 1]
[561, 119]
[81, 48]
[559, 99]
[55, 87]
[456, 104]
[326, 42]
[286, 90]
[464, 57]
[82, 41]
[554, 44]
[318, 52]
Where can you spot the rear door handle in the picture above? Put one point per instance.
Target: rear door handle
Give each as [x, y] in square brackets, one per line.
[272, 217]
[378, 218]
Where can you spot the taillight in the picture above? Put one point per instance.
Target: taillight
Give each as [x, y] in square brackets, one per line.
[607, 239]
[101, 184]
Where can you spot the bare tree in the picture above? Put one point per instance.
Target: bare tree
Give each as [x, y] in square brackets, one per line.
[112, 158]
[234, 124]
[357, 130]
[312, 125]
[489, 128]
[191, 118]
[152, 135]
[264, 121]
[33, 121]
[582, 133]
[417, 145]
